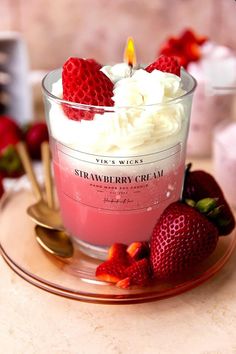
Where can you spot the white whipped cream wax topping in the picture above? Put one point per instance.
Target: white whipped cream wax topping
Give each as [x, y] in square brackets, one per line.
[142, 125]
[117, 71]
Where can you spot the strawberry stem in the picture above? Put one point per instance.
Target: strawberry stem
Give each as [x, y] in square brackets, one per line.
[190, 202]
[206, 205]
[213, 214]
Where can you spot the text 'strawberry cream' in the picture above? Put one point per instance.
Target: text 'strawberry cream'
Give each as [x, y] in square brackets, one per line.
[118, 149]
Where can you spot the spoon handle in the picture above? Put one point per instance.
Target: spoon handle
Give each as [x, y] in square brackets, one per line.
[26, 162]
[45, 152]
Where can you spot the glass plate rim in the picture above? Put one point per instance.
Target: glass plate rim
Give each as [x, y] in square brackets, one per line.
[129, 298]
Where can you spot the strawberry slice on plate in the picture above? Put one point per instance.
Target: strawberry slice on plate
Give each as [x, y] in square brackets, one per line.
[126, 267]
[111, 271]
[84, 83]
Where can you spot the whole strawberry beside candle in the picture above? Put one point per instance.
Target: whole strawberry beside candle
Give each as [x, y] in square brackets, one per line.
[200, 184]
[181, 239]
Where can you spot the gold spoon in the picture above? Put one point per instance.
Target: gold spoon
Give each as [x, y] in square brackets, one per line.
[55, 242]
[40, 212]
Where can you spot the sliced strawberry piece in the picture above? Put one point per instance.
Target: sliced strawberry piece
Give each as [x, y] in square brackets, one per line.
[124, 283]
[84, 83]
[111, 271]
[138, 250]
[166, 64]
[139, 272]
[122, 269]
[117, 250]
[118, 253]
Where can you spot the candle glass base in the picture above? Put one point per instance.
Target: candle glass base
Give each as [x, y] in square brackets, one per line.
[91, 250]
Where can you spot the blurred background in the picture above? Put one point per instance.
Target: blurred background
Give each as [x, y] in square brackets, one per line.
[54, 30]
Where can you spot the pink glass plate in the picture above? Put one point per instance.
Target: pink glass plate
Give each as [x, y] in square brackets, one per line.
[75, 278]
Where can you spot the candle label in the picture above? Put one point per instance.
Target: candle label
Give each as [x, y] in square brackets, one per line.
[119, 183]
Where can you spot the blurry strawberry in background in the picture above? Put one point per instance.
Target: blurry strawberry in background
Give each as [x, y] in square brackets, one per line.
[35, 134]
[186, 47]
[1, 186]
[10, 134]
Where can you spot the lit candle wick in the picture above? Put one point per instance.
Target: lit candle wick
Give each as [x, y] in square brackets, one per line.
[130, 69]
[129, 54]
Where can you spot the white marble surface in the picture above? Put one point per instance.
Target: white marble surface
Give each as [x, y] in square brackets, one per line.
[202, 320]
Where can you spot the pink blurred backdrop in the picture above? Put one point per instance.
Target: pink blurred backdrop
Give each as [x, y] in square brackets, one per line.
[54, 30]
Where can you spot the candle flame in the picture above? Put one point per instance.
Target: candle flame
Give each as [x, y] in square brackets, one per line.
[129, 53]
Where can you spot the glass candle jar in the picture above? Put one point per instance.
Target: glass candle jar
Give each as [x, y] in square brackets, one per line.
[118, 171]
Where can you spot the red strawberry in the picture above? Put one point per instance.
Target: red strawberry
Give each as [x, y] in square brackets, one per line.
[166, 64]
[10, 133]
[200, 184]
[182, 238]
[8, 124]
[35, 135]
[124, 283]
[190, 36]
[118, 252]
[1, 186]
[122, 268]
[186, 48]
[84, 83]
[94, 62]
[138, 250]
[110, 271]
[139, 272]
